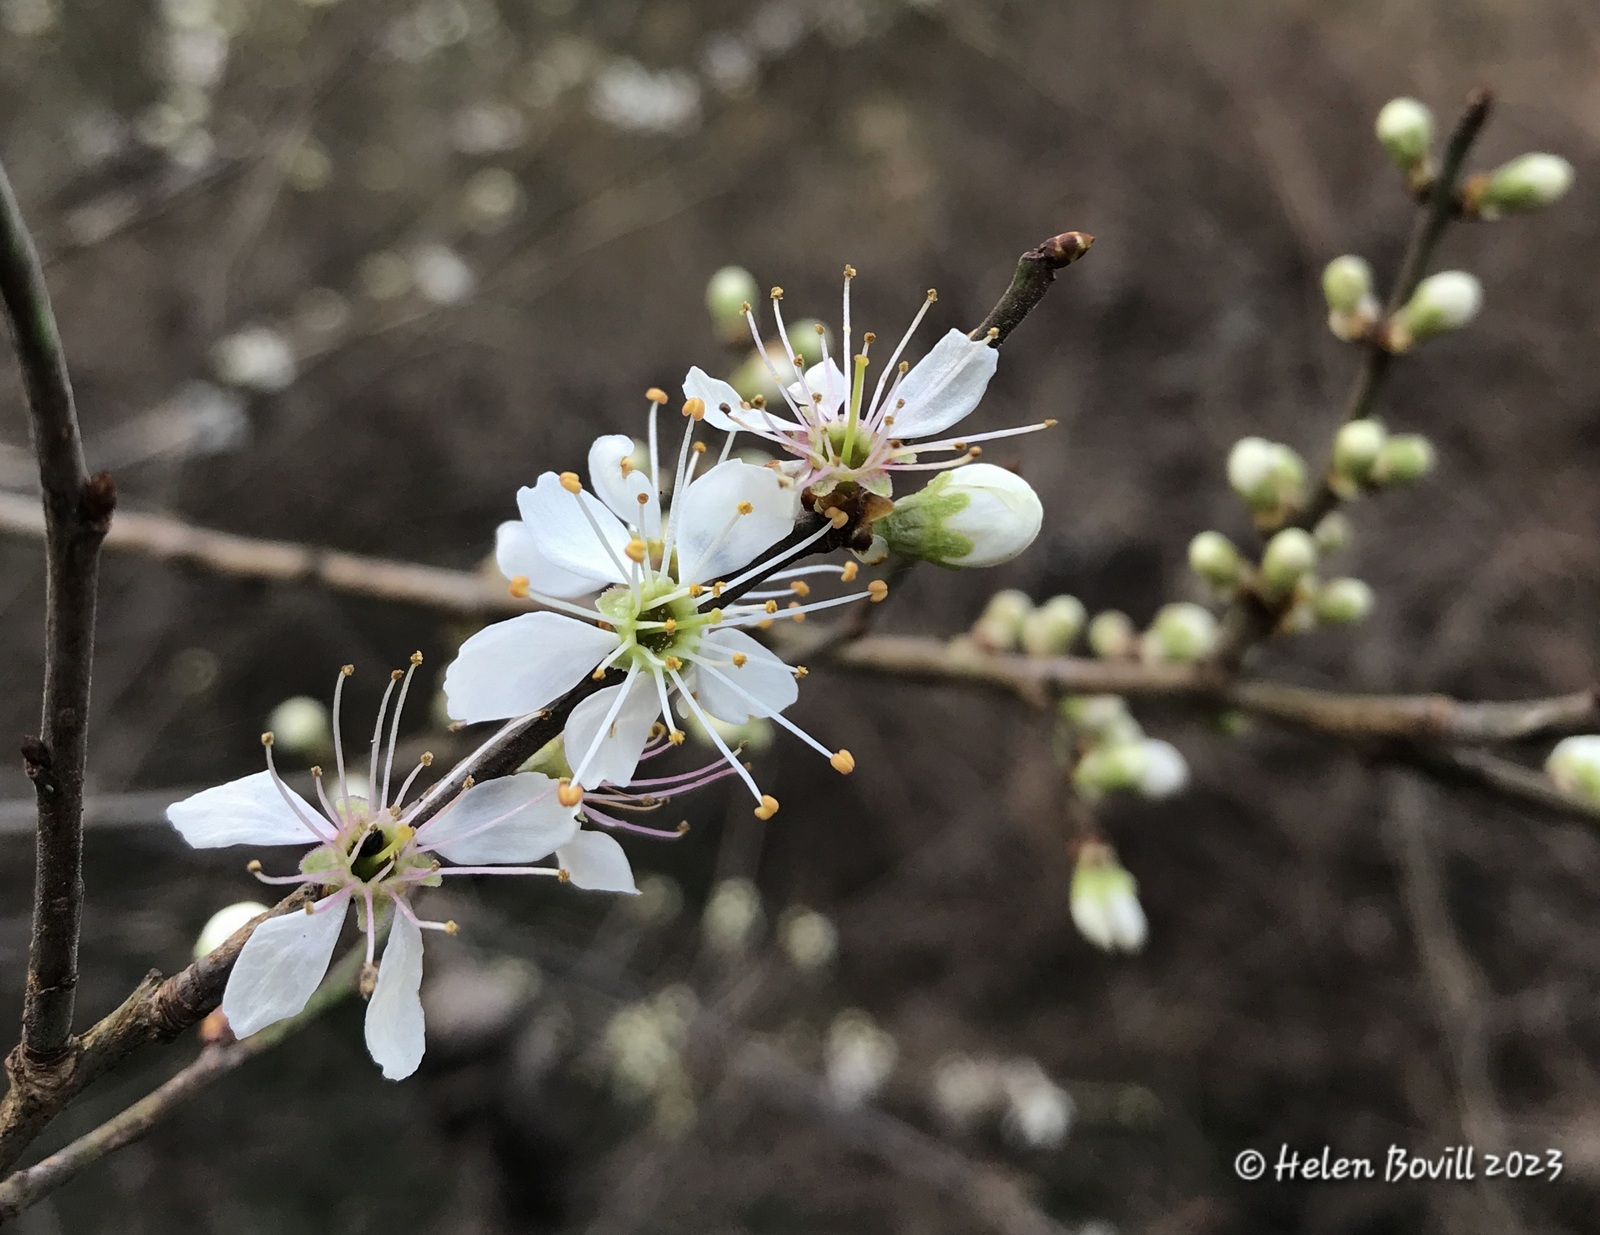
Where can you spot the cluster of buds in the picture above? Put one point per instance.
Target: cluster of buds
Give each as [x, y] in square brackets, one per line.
[1574, 766]
[1367, 456]
[1110, 752]
[1442, 302]
[1011, 622]
[1284, 577]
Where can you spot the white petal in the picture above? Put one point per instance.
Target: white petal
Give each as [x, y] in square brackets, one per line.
[510, 819]
[519, 665]
[720, 399]
[516, 552]
[394, 1013]
[713, 538]
[248, 811]
[828, 380]
[564, 538]
[764, 675]
[619, 751]
[595, 861]
[944, 386]
[282, 964]
[621, 491]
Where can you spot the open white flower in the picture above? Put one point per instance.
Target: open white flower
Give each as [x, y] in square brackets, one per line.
[835, 433]
[660, 618]
[373, 852]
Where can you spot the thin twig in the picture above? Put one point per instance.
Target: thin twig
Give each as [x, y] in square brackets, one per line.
[28, 1187]
[77, 511]
[1036, 270]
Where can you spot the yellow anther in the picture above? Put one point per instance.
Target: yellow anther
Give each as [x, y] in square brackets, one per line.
[843, 762]
[346, 670]
[740, 660]
[777, 293]
[796, 612]
[253, 865]
[697, 589]
[1050, 424]
[771, 606]
[869, 338]
[801, 671]
[643, 499]
[656, 395]
[673, 663]
[569, 794]
[427, 759]
[266, 738]
[627, 467]
[759, 402]
[994, 333]
[571, 483]
[877, 590]
[958, 445]
[837, 517]
[676, 737]
[820, 329]
[744, 307]
[974, 452]
[599, 675]
[519, 587]
[850, 571]
[695, 408]
[849, 271]
[564, 875]
[933, 294]
[450, 927]
[670, 626]
[468, 781]
[416, 658]
[396, 674]
[636, 550]
[699, 448]
[768, 807]
[800, 587]
[746, 508]
[764, 624]
[316, 771]
[683, 827]
[716, 588]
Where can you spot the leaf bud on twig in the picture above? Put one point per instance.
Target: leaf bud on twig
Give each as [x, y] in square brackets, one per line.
[1051, 628]
[1343, 602]
[1442, 302]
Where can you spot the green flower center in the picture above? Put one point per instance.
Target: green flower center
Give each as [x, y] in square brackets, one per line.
[654, 621]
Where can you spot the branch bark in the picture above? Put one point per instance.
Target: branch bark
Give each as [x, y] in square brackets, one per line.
[1036, 270]
[77, 511]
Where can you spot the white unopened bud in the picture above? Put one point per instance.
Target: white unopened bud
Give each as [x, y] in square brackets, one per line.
[1405, 127]
[1405, 457]
[1343, 602]
[999, 626]
[1527, 182]
[1105, 902]
[1574, 765]
[302, 727]
[1332, 534]
[223, 924]
[728, 291]
[1214, 558]
[810, 940]
[1110, 768]
[1051, 628]
[977, 515]
[1166, 771]
[1267, 475]
[1289, 557]
[1182, 631]
[733, 917]
[1442, 302]
[1111, 635]
[1346, 282]
[1356, 447]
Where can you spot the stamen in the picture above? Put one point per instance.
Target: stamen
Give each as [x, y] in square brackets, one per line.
[338, 742]
[716, 738]
[600, 736]
[377, 734]
[288, 798]
[394, 727]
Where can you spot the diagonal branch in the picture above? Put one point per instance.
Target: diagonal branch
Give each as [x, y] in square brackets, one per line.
[77, 511]
[1036, 270]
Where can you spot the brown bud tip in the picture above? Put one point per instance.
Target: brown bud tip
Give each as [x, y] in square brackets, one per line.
[1064, 249]
[97, 500]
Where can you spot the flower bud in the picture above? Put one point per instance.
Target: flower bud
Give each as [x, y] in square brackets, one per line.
[1346, 282]
[1105, 717]
[1405, 127]
[1574, 765]
[1442, 302]
[1343, 602]
[1405, 457]
[1111, 635]
[1528, 182]
[999, 626]
[1110, 768]
[301, 726]
[728, 291]
[1105, 901]
[810, 939]
[1267, 475]
[1166, 771]
[1181, 632]
[1213, 557]
[1356, 447]
[1051, 628]
[1332, 534]
[977, 515]
[1289, 557]
[222, 925]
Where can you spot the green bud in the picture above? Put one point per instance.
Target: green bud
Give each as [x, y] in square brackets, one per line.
[1442, 302]
[1405, 127]
[550, 759]
[977, 515]
[1105, 901]
[729, 292]
[1405, 457]
[1213, 557]
[1289, 557]
[302, 727]
[1528, 182]
[1104, 717]
[1346, 282]
[1181, 632]
[1574, 765]
[1111, 635]
[1332, 534]
[1343, 602]
[1356, 447]
[1110, 768]
[999, 626]
[1051, 628]
[1267, 475]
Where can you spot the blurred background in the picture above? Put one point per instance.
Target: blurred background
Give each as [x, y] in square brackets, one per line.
[349, 273]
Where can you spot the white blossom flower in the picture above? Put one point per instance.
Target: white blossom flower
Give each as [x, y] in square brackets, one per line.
[1105, 901]
[660, 618]
[834, 432]
[374, 852]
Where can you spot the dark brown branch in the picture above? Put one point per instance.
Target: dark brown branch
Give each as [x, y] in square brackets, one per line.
[77, 511]
[1036, 270]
